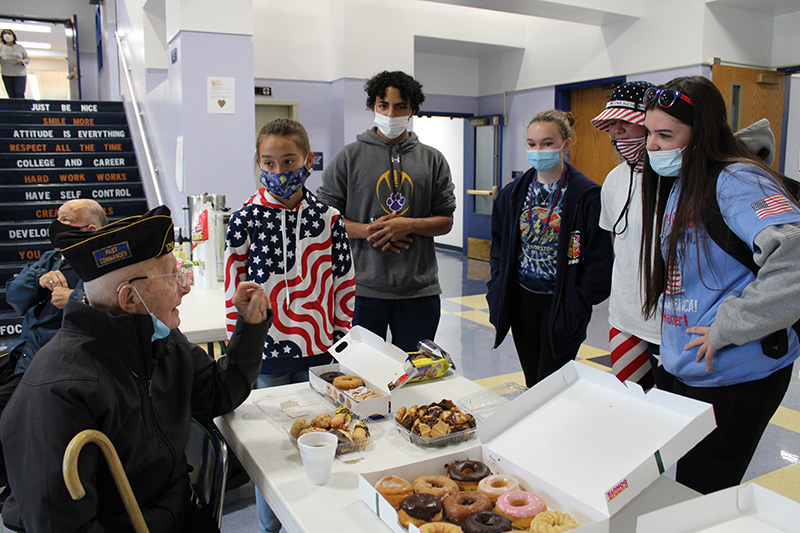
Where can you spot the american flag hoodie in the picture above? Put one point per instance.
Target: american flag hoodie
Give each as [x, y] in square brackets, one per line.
[302, 258]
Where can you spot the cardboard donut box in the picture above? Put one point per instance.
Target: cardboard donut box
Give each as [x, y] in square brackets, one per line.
[586, 443]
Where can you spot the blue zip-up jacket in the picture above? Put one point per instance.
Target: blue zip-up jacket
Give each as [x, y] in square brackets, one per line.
[585, 257]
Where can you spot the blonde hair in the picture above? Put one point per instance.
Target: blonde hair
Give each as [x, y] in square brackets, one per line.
[563, 120]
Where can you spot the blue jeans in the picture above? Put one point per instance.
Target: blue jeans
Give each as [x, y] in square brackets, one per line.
[267, 521]
[410, 320]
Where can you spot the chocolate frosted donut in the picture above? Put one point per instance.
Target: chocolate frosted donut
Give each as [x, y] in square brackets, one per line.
[459, 506]
[330, 376]
[420, 508]
[486, 522]
[467, 474]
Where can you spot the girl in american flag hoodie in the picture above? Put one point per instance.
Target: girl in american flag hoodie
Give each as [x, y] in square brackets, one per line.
[296, 247]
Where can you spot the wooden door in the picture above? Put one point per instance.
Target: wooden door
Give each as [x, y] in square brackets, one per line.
[593, 154]
[752, 94]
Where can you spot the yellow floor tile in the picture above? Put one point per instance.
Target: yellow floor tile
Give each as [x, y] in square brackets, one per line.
[587, 351]
[481, 317]
[478, 301]
[787, 419]
[785, 481]
[516, 377]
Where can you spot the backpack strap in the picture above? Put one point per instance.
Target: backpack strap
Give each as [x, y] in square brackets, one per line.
[776, 344]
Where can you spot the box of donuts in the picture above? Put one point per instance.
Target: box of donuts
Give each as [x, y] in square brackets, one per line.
[359, 380]
[572, 451]
[744, 508]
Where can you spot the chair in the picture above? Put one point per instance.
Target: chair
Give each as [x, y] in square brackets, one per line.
[207, 453]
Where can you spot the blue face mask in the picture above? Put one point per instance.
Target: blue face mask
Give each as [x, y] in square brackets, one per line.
[286, 184]
[544, 160]
[666, 163]
[160, 330]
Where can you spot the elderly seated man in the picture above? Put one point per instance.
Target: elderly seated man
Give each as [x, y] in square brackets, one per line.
[120, 365]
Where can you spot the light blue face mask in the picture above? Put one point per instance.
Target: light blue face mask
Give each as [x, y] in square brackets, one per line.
[544, 160]
[666, 163]
[160, 330]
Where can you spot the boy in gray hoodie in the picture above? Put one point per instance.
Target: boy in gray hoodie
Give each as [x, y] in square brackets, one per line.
[395, 194]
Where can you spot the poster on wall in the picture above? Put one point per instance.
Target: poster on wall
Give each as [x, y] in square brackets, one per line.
[221, 95]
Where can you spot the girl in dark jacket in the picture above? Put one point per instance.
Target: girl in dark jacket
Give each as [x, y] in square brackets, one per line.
[550, 261]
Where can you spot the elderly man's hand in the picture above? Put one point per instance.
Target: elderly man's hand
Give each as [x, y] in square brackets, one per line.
[251, 302]
[60, 297]
[53, 279]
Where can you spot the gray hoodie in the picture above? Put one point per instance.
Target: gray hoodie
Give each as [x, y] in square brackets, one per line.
[358, 183]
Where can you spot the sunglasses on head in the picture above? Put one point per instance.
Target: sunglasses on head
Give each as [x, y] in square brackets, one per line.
[664, 97]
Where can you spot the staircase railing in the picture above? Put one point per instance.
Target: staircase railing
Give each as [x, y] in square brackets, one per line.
[138, 113]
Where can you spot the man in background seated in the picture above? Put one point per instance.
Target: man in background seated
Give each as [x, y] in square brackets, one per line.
[120, 365]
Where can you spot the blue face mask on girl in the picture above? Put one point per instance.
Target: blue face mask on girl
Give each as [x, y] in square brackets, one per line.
[544, 160]
[666, 163]
[284, 185]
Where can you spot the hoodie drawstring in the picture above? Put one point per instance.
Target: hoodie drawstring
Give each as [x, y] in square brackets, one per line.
[297, 248]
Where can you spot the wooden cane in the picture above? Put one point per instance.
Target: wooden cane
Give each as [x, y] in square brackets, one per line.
[73, 480]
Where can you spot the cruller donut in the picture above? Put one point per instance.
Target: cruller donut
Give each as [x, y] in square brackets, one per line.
[439, 527]
[552, 522]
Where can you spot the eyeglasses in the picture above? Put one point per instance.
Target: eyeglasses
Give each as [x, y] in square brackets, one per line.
[183, 277]
[666, 97]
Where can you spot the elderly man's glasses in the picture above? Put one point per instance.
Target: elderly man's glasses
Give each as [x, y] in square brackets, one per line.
[665, 97]
[182, 276]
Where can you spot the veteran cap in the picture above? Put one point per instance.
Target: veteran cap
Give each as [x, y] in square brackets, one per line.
[119, 244]
[625, 104]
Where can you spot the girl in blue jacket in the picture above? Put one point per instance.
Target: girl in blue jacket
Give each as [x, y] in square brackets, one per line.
[550, 261]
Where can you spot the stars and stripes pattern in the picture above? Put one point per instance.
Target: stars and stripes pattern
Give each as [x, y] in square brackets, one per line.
[302, 259]
[630, 356]
[773, 204]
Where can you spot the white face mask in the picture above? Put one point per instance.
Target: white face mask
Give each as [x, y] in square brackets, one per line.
[8, 37]
[392, 127]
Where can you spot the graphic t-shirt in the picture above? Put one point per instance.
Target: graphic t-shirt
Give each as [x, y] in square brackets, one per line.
[704, 276]
[539, 225]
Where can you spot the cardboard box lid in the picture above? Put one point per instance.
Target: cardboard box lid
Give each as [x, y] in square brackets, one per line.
[369, 356]
[745, 508]
[585, 434]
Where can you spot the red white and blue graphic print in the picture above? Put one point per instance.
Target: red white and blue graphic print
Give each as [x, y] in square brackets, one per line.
[302, 259]
[773, 204]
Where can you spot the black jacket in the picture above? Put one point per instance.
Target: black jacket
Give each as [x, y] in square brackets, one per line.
[583, 273]
[103, 372]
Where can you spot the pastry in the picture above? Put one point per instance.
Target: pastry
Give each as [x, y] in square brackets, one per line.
[330, 376]
[299, 425]
[520, 507]
[467, 474]
[439, 486]
[419, 509]
[459, 506]
[495, 485]
[439, 527]
[552, 522]
[394, 489]
[346, 383]
[486, 522]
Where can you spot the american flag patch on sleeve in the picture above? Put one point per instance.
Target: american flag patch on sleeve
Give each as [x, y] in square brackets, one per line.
[771, 205]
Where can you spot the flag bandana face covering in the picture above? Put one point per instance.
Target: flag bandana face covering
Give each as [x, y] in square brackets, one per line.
[286, 184]
[631, 150]
[666, 163]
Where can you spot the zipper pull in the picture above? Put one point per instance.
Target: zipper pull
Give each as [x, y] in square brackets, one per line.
[150, 388]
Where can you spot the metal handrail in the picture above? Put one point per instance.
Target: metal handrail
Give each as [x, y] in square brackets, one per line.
[148, 154]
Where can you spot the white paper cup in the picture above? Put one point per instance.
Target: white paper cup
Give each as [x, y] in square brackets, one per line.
[318, 450]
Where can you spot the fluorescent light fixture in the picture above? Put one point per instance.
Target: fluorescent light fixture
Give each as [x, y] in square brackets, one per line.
[36, 46]
[69, 32]
[18, 26]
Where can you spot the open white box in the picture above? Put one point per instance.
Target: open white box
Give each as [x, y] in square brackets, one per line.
[586, 443]
[742, 509]
[364, 354]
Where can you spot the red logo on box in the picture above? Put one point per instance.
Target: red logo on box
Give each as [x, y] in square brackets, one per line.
[616, 491]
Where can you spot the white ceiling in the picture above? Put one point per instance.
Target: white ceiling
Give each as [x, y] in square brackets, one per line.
[450, 47]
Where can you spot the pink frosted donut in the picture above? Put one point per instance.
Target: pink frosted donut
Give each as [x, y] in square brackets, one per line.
[520, 507]
[495, 485]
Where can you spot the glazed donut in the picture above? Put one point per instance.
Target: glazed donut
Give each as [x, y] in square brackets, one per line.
[458, 506]
[394, 489]
[347, 382]
[439, 527]
[418, 509]
[467, 474]
[495, 485]
[552, 522]
[520, 507]
[486, 522]
[439, 486]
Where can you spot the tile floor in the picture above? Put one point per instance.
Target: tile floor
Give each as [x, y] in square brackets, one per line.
[465, 332]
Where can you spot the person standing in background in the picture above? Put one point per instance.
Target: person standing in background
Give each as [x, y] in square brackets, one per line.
[550, 262]
[634, 340]
[13, 64]
[396, 195]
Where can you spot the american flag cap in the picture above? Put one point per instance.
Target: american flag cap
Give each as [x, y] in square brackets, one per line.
[625, 104]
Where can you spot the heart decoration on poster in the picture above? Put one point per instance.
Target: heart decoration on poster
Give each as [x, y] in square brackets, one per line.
[221, 103]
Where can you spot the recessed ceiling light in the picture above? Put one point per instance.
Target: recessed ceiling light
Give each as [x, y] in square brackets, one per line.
[18, 26]
[37, 46]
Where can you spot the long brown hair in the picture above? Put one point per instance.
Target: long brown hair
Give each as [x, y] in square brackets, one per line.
[712, 146]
